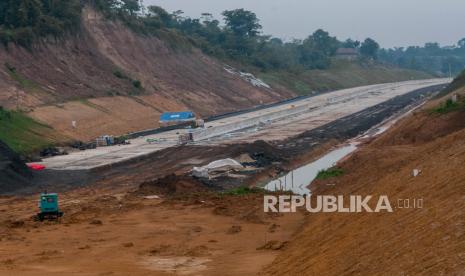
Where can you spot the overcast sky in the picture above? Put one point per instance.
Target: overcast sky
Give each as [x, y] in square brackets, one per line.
[390, 22]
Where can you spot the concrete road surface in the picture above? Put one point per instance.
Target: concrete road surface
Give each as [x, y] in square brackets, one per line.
[313, 112]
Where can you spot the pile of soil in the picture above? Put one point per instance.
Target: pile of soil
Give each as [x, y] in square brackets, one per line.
[170, 185]
[14, 173]
[262, 152]
[180, 161]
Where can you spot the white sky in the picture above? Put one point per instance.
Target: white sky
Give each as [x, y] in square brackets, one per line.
[390, 22]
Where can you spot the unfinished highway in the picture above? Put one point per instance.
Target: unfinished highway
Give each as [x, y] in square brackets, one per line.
[269, 124]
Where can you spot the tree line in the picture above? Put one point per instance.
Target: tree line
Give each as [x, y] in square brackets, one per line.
[239, 38]
[432, 58]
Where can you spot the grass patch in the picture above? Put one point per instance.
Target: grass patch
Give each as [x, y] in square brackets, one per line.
[119, 74]
[329, 173]
[23, 134]
[341, 74]
[94, 106]
[135, 83]
[449, 106]
[243, 191]
[21, 80]
[288, 80]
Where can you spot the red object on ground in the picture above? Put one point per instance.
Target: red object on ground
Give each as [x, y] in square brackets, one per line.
[36, 167]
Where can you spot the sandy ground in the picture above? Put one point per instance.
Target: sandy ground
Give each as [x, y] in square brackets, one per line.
[127, 235]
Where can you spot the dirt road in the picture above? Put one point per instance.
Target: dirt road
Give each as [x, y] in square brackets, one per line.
[124, 234]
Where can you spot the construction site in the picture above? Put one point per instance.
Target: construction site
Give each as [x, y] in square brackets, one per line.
[183, 225]
[121, 154]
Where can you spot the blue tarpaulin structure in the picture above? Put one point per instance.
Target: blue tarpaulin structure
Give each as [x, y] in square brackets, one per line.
[183, 116]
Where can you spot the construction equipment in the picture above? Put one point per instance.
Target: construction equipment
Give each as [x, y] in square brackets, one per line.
[105, 140]
[48, 205]
[185, 138]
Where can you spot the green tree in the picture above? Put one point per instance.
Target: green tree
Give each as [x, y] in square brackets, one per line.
[323, 42]
[369, 48]
[29, 13]
[242, 23]
[161, 14]
[349, 43]
[21, 21]
[131, 6]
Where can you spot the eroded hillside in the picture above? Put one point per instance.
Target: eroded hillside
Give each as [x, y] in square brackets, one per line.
[93, 78]
[409, 241]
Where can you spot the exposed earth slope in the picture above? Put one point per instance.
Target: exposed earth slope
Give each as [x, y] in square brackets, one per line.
[92, 78]
[13, 172]
[409, 241]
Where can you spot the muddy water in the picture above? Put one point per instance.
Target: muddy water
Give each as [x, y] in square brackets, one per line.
[299, 179]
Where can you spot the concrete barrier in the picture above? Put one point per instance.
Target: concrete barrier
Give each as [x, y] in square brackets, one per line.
[202, 134]
[206, 133]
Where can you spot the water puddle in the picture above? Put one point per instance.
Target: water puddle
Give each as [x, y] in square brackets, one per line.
[298, 180]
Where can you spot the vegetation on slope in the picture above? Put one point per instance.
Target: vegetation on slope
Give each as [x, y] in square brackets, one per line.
[383, 167]
[14, 174]
[329, 173]
[302, 66]
[21, 21]
[341, 74]
[449, 106]
[23, 134]
[239, 39]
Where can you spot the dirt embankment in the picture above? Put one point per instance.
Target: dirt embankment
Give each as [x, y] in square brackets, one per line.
[91, 78]
[14, 174]
[409, 241]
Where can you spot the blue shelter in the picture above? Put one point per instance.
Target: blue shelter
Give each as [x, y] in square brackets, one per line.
[174, 117]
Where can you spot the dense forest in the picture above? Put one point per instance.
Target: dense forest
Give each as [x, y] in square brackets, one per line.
[22, 21]
[238, 37]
